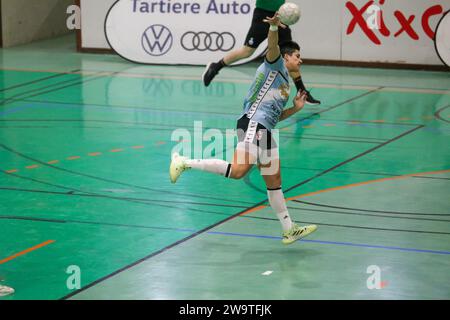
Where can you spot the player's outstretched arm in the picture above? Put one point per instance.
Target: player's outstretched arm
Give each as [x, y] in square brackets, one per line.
[273, 50]
[299, 102]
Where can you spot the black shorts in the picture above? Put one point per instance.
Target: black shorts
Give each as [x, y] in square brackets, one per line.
[255, 139]
[259, 29]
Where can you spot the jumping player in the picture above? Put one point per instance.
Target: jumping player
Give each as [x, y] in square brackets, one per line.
[256, 35]
[263, 108]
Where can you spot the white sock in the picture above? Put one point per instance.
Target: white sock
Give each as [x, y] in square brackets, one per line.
[276, 200]
[216, 166]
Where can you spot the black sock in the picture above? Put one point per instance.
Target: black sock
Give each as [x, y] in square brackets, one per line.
[299, 84]
[220, 64]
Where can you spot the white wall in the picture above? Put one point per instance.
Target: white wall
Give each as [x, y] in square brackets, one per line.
[93, 14]
[24, 21]
[322, 30]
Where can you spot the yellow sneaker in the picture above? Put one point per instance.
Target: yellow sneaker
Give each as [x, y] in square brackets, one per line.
[297, 233]
[177, 166]
[4, 291]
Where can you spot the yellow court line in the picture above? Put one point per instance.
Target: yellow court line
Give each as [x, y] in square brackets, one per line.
[351, 186]
[366, 182]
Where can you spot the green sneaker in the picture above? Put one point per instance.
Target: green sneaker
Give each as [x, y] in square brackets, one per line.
[297, 233]
[177, 166]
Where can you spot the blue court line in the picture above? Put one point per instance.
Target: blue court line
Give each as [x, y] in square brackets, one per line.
[333, 243]
[279, 238]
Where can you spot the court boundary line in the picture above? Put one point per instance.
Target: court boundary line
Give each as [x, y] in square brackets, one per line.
[223, 221]
[21, 253]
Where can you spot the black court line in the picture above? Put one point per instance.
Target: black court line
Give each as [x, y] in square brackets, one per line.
[147, 203]
[372, 122]
[40, 80]
[437, 114]
[103, 179]
[225, 220]
[178, 229]
[307, 210]
[137, 200]
[114, 106]
[168, 129]
[90, 192]
[366, 210]
[343, 137]
[383, 174]
[337, 85]
[354, 227]
[333, 107]
[354, 158]
[85, 80]
[219, 113]
[300, 137]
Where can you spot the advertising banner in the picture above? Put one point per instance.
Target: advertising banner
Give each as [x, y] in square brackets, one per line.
[196, 32]
[190, 32]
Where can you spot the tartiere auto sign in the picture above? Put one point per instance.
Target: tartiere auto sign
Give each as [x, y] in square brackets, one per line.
[178, 31]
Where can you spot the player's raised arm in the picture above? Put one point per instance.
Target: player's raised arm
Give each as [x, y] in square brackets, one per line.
[273, 50]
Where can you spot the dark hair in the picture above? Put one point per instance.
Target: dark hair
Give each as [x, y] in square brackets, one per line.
[288, 47]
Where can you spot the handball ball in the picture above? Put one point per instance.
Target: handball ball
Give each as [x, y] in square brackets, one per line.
[289, 13]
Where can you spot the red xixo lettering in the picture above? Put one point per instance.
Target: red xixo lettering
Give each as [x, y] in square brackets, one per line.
[404, 22]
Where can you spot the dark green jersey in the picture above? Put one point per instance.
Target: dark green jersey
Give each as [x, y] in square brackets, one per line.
[270, 5]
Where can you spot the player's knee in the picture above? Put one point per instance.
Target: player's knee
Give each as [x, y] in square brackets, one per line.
[238, 172]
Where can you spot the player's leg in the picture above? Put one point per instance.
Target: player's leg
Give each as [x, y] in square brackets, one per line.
[236, 55]
[286, 35]
[244, 157]
[242, 163]
[213, 68]
[256, 34]
[291, 231]
[270, 168]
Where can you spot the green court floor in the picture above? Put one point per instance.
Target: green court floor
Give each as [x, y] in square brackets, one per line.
[87, 210]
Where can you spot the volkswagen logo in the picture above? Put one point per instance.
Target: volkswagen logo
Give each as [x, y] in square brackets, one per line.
[157, 40]
[208, 41]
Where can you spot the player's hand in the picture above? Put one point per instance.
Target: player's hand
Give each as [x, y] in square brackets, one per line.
[274, 21]
[300, 100]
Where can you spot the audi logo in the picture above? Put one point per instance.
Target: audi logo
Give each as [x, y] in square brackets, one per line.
[208, 41]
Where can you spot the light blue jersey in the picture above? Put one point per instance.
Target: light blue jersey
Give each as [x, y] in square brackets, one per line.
[268, 94]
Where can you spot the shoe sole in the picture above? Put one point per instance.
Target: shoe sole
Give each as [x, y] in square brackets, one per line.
[304, 235]
[204, 73]
[312, 103]
[173, 173]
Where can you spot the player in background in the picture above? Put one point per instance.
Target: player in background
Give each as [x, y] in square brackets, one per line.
[263, 109]
[256, 35]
